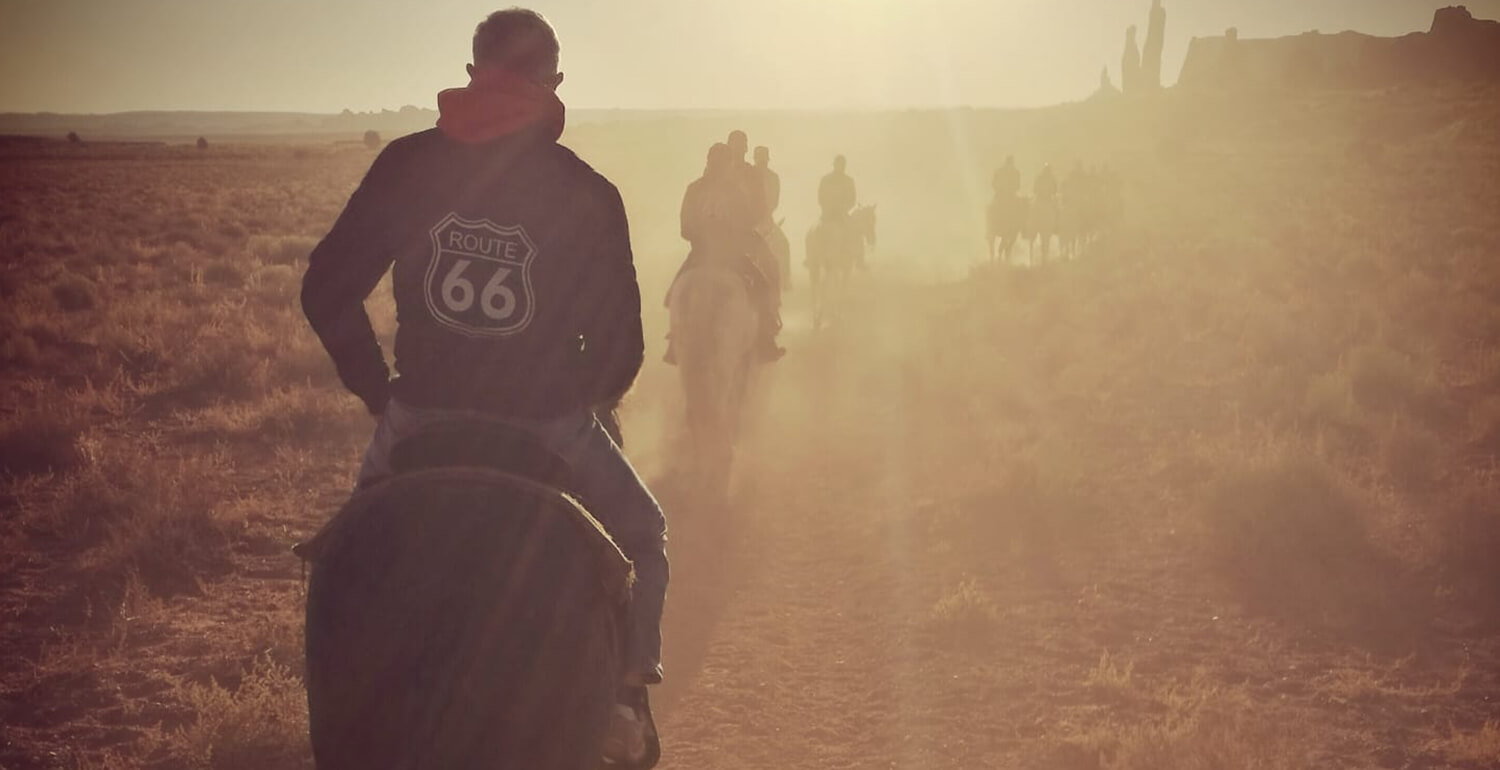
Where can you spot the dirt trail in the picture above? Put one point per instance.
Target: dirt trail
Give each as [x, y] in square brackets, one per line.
[798, 630]
[808, 658]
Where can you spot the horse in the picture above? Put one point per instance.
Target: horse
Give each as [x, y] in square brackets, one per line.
[1072, 224]
[1005, 219]
[465, 612]
[1042, 225]
[714, 325]
[833, 250]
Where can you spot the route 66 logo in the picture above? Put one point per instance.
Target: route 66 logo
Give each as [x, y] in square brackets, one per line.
[479, 280]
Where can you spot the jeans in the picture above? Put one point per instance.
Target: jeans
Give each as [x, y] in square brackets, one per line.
[601, 474]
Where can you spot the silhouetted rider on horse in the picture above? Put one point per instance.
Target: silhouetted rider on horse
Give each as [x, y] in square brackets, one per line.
[770, 183]
[1045, 186]
[1007, 181]
[725, 219]
[836, 199]
[516, 291]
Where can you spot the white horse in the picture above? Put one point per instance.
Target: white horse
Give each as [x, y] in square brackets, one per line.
[714, 327]
[833, 250]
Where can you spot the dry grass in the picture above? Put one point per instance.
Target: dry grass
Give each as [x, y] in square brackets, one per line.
[260, 724]
[1468, 530]
[136, 518]
[1294, 537]
[965, 616]
[1412, 456]
[1260, 412]
[39, 444]
[1211, 736]
[74, 293]
[1109, 674]
[1476, 748]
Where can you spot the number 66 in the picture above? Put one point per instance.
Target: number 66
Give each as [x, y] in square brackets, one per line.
[458, 292]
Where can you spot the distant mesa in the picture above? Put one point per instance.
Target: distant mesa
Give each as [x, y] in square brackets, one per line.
[1130, 63]
[1458, 47]
[1156, 32]
[1107, 89]
[1140, 67]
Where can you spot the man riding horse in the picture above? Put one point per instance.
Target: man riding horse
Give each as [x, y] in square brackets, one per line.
[1007, 181]
[1045, 186]
[723, 216]
[1044, 208]
[836, 199]
[516, 291]
[1007, 211]
[752, 183]
[770, 183]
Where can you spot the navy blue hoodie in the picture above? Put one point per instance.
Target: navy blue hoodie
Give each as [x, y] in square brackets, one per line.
[513, 277]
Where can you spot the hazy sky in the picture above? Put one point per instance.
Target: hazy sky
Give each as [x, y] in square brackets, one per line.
[325, 55]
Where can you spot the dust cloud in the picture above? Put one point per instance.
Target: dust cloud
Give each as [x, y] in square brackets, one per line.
[1203, 479]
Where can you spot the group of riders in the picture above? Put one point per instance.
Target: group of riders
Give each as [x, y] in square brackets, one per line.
[1077, 209]
[518, 308]
[729, 220]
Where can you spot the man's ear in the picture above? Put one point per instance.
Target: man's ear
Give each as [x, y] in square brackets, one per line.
[469, 68]
[556, 81]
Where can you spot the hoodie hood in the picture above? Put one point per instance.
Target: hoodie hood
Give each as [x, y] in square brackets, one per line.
[498, 103]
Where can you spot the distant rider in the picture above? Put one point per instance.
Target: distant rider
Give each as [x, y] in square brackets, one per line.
[718, 220]
[749, 178]
[836, 199]
[770, 183]
[714, 214]
[1007, 181]
[1045, 186]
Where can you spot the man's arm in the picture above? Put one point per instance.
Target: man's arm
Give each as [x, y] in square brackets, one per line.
[614, 340]
[341, 272]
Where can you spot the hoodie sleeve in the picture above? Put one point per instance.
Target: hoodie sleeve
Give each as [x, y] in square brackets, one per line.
[613, 337]
[341, 272]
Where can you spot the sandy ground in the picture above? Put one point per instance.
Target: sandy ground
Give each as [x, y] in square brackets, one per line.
[880, 591]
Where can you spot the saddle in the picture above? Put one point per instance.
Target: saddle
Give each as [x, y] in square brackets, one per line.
[743, 267]
[479, 443]
[467, 446]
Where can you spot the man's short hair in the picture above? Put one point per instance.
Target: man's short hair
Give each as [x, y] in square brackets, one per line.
[517, 39]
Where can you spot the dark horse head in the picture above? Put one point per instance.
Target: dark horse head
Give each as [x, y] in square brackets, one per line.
[464, 613]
